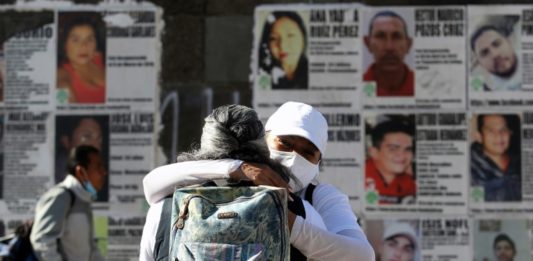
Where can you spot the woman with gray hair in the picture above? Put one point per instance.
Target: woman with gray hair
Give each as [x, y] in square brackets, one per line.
[234, 132]
[229, 132]
[296, 136]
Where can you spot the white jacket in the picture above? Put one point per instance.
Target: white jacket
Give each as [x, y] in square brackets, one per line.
[341, 239]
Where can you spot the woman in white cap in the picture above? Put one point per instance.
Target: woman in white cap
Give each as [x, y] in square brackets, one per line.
[296, 135]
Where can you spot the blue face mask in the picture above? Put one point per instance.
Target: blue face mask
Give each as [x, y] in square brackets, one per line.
[89, 187]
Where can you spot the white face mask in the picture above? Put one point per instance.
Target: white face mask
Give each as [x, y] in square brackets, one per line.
[302, 169]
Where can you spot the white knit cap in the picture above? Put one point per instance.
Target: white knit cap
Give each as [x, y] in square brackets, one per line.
[400, 229]
[300, 119]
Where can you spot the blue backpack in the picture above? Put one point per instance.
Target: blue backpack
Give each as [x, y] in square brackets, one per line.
[224, 223]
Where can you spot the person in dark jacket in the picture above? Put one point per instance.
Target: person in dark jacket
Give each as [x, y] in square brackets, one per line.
[494, 166]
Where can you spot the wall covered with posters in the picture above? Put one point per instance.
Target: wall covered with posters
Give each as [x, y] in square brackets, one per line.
[451, 80]
[74, 75]
[430, 118]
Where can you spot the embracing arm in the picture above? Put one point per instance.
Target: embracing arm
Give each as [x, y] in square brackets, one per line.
[343, 239]
[162, 181]
[319, 244]
[148, 239]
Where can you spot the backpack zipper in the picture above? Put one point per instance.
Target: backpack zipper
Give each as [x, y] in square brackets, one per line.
[184, 212]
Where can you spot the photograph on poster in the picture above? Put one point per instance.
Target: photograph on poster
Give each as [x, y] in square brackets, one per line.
[75, 130]
[388, 60]
[390, 167]
[501, 240]
[282, 50]
[81, 70]
[495, 52]
[394, 239]
[495, 164]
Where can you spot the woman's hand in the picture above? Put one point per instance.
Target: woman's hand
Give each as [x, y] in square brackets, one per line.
[259, 174]
[262, 174]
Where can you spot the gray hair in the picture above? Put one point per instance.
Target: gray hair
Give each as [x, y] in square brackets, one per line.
[235, 132]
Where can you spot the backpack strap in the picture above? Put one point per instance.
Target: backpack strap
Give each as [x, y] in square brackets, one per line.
[297, 207]
[72, 197]
[295, 253]
[162, 238]
[23, 250]
[72, 200]
[309, 193]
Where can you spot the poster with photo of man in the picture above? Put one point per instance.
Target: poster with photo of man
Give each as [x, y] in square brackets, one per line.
[75, 130]
[410, 56]
[502, 239]
[420, 238]
[394, 239]
[499, 156]
[495, 53]
[495, 158]
[389, 60]
[416, 162]
[389, 168]
[498, 69]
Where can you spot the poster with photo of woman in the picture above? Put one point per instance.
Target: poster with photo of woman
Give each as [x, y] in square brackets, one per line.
[81, 70]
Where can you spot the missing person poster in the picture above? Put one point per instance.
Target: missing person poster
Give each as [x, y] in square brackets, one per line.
[499, 47]
[501, 239]
[27, 44]
[28, 165]
[418, 239]
[500, 153]
[414, 57]
[95, 76]
[415, 163]
[312, 48]
[75, 130]
[71, 76]
[311, 54]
